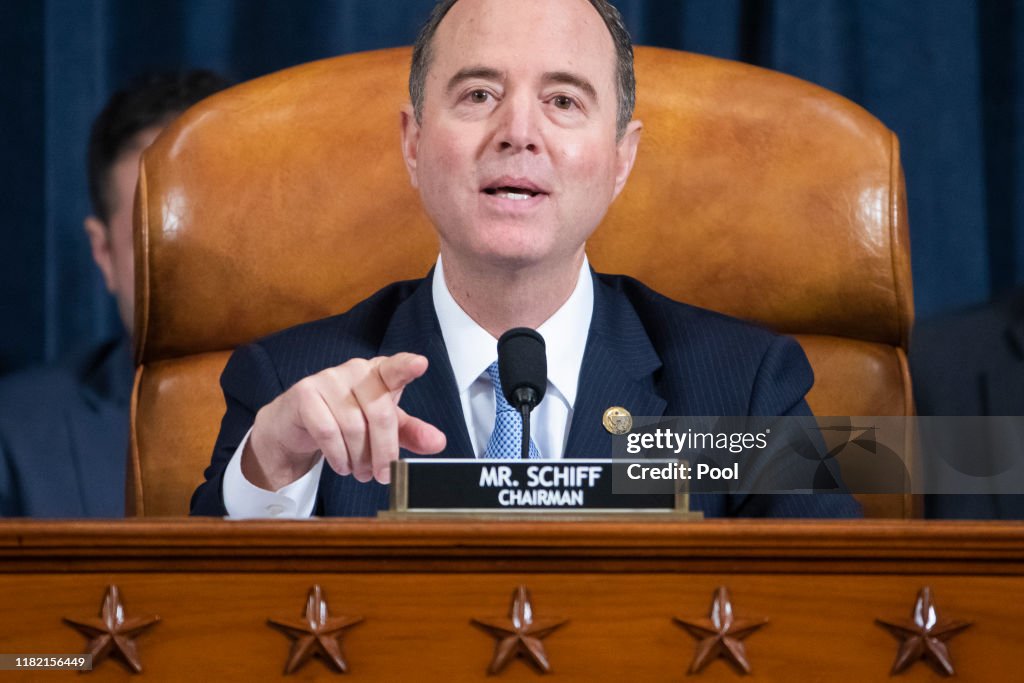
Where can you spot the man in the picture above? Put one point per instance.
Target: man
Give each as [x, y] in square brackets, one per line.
[519, 136]
[972, 363]
[64, 429]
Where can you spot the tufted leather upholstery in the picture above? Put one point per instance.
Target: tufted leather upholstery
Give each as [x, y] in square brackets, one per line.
[284, 199]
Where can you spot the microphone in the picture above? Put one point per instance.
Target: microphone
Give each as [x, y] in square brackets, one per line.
[523, 370]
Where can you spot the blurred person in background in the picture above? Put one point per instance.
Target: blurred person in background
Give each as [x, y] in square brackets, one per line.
[64, 427]
[971, 363]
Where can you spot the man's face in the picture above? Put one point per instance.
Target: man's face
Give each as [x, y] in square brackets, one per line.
[112, 242]
[516, 157]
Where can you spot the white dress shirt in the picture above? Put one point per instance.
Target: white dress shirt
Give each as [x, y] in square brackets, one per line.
[471, 350]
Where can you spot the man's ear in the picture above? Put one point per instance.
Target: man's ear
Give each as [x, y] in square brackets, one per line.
[99, 241]
[625, 154]
[410, 142]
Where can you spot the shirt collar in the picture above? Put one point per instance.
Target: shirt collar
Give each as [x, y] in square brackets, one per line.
[471, 349]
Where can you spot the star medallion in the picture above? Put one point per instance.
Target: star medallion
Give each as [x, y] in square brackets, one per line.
[113, 633]
[519, 634]
[316, 633]
[923, 636]
[721, 634]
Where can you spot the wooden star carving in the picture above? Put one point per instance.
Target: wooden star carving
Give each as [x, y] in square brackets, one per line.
[316, 633]
[519, 634]
[113, 633]
[721, 634]
[923, 636]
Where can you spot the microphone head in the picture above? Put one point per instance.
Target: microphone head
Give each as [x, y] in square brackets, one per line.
[522, 366]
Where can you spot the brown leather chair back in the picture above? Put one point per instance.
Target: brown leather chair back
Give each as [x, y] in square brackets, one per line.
[285, 199]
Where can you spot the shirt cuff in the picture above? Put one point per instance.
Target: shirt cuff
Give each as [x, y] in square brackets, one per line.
[245, 500]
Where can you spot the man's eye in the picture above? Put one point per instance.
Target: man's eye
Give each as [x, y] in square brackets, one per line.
[479, 96]
[563, 102]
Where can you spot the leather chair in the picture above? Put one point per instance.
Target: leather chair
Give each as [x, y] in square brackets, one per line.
[285, 199]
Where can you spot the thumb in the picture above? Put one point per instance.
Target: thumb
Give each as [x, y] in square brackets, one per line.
[398, 370]
[418, 436]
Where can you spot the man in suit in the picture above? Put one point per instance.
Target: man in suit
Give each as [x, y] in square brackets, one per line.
[972, 363]
[64, 428]
[519, 136]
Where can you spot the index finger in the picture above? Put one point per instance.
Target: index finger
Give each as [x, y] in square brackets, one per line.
[398, 370]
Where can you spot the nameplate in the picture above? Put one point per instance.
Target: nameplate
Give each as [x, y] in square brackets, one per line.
[556, 487]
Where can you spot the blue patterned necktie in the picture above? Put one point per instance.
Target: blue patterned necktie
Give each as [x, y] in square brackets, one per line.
[506, 442]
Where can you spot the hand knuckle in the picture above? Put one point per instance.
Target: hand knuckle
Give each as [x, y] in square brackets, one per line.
[380, 414]
[323, 431]
[303, 388]
[351, 423]
[358, 364]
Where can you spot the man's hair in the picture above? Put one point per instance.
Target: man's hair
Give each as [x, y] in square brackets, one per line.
[626, 82]
[149, 100]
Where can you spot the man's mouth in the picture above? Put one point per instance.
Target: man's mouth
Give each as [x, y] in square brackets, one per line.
[514, 189]
[513, 193]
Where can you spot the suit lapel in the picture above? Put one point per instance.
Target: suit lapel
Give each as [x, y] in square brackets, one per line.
[433, 397]
[618, 370]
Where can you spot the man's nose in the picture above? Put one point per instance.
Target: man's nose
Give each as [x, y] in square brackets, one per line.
[519, 125]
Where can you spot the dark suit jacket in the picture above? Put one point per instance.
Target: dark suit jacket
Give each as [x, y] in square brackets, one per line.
[64, 436]
[644, 352]
[972, 363]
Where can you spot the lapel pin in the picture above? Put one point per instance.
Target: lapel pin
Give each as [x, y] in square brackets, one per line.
[617, 420]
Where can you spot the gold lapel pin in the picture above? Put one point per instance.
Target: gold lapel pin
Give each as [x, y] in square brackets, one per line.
[617, 420]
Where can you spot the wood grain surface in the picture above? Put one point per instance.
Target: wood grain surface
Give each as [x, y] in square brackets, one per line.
[214, 584]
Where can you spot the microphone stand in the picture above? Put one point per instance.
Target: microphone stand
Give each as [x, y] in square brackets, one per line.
[525, 410]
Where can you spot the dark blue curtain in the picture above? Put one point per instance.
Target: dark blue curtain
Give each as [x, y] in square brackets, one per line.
[944, 74]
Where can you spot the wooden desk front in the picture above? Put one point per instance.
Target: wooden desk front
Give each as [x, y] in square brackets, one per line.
[417, 585]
